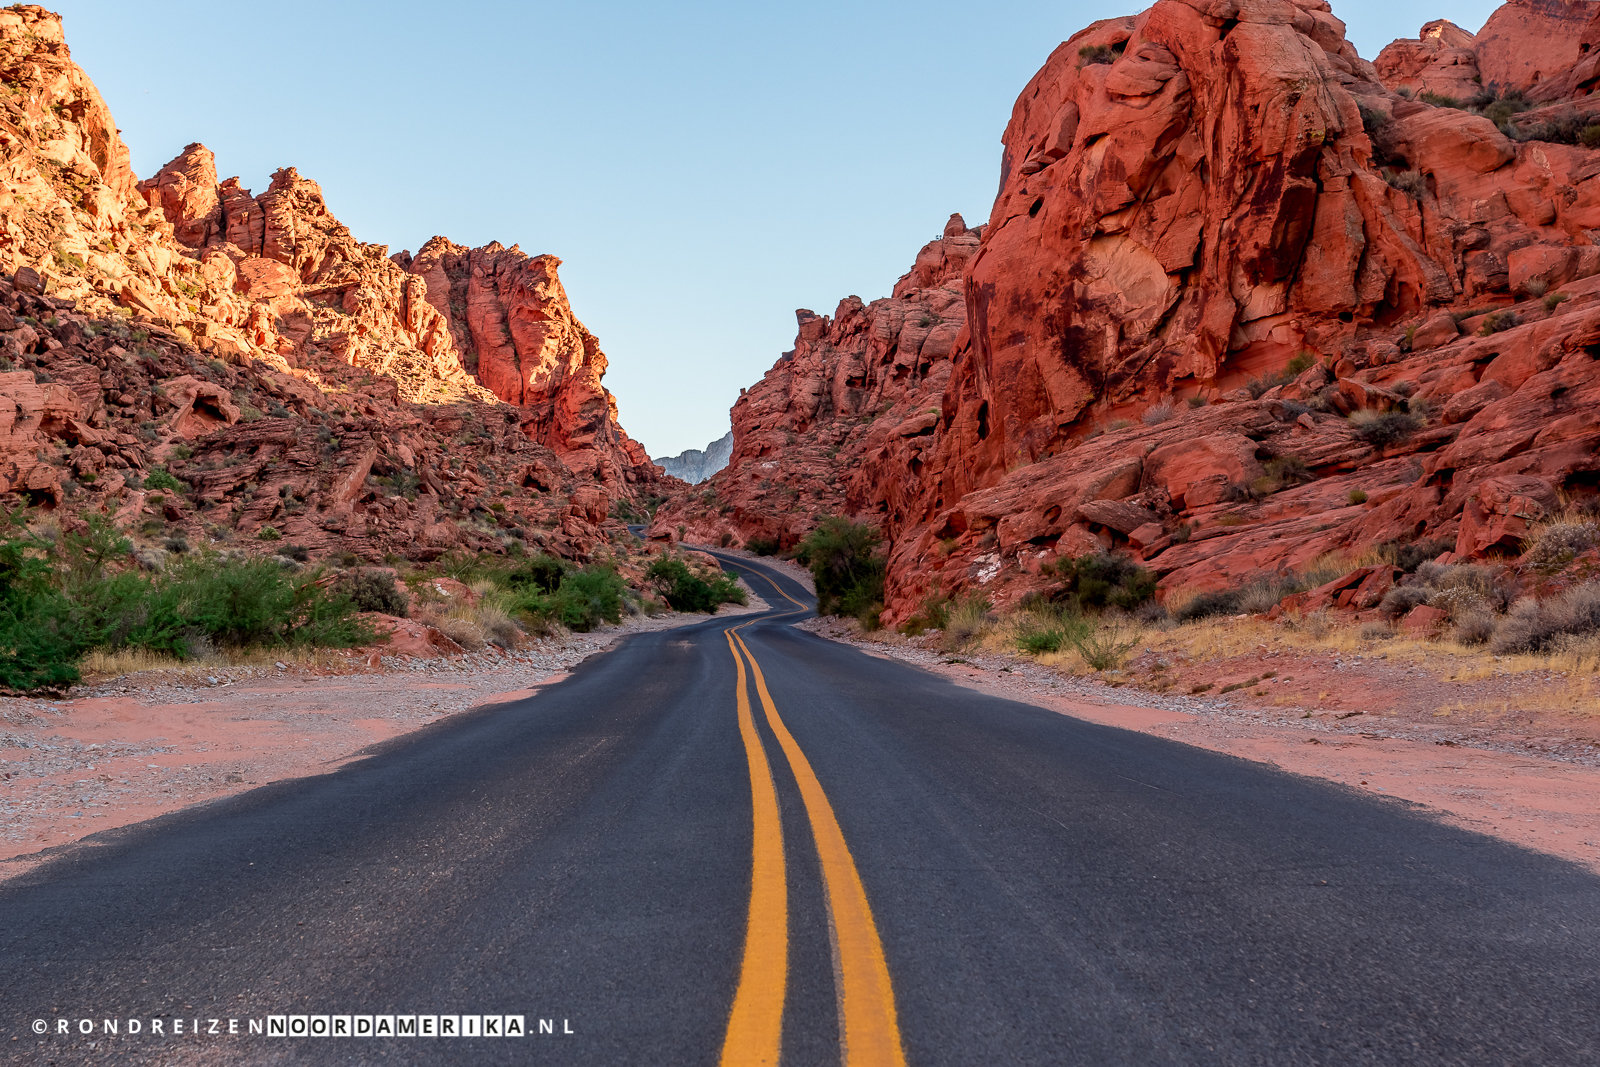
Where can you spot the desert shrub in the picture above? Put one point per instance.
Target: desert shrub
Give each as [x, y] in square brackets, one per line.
[1409, 555]
[1535, 625]
[1589, 136]
[1564, 127]
[1046, 628]
[1196, 401]
[969, 619]
[1156, 414]
[1100, 53]
[846, 565]
[160, 478]
[1357, 496]
[1206, 605]
[1373, 120]
[1411, 182]
[1535, 286]
[1382, 428]
[1401, 599]
[1376, 631]
[1427, 96]
[687, 591]
[1282, 472]
[1475, 627]
[1104, 579]
[1559, 542]
[1497, 321]
[587, 597]
[933, 614]
[539, 574]
[1501, 110]
[375, 591]
[762, 546]
[1555, 300]
[269, 533]
[1462, 588]
[1105, 648]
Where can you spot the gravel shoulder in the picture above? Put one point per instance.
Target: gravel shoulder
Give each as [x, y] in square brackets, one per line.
[133, 748]
[1367, 725]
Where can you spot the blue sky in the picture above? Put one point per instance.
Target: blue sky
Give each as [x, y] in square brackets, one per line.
[701, 169]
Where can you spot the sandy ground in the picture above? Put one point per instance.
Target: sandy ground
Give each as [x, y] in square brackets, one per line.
[1539, 789]
[147, 744]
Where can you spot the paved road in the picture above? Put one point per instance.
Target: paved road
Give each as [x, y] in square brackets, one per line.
[940, 876]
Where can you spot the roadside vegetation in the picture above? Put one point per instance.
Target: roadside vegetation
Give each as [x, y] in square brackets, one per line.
[86, 597]
[66, 593]
[1537, 612]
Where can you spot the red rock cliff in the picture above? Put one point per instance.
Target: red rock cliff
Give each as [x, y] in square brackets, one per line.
[1196, 196]
[320, 385]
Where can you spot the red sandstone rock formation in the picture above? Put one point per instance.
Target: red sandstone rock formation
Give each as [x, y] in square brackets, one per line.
[1190, 199]
[290, 374]
[843, 418]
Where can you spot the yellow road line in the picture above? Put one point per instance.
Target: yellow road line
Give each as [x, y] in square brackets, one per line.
[755, 1026]
[871, 1032]
[772, 582]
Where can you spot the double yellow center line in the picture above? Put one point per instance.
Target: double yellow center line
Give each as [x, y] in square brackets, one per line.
[869, 1030]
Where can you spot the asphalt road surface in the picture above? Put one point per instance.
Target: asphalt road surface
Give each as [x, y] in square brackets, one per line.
[709, 847]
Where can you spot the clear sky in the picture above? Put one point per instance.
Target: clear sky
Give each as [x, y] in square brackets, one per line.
[702, 169]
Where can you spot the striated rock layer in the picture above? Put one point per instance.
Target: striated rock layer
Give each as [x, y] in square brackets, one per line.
[1191, 200]
[345, 396]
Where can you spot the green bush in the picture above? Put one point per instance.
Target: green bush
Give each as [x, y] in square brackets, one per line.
[686, 591]
[1103, 579]
[1539, 625]
[762, 546]
[159, 478]
[588, 597]
[847, 567]
[542, 573]
[375, 591]
[61, 598]
[1104, 648]
[269, 533]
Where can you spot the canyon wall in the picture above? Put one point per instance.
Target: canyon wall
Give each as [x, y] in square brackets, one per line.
[1240, 303]
[295, 376]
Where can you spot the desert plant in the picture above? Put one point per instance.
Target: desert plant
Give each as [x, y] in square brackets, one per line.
[1105, 648]
[969, 619]
[1208, 604]
[372, 590]
[1383, 428]
[846, 565]
[159, 478]
[762, 546]
[1104, 579]
[1558, 543]
[687, 591]
[1535, 625]
[1475, 627]
[1589, 136]
[1100, 53]
[1357, 496]
[1411, 182]
[269, 533]
[1495, 322]
[1157, 413]
[1535, 286]
[1555, 300]
[1401, 599]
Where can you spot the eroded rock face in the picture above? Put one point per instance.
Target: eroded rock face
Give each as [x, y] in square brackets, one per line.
[1191, 200]
[841, 423]
[320, 386]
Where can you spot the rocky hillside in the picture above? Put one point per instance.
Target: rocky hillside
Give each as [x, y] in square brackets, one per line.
[695, 465]
[288, 375]
[1244, 299]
